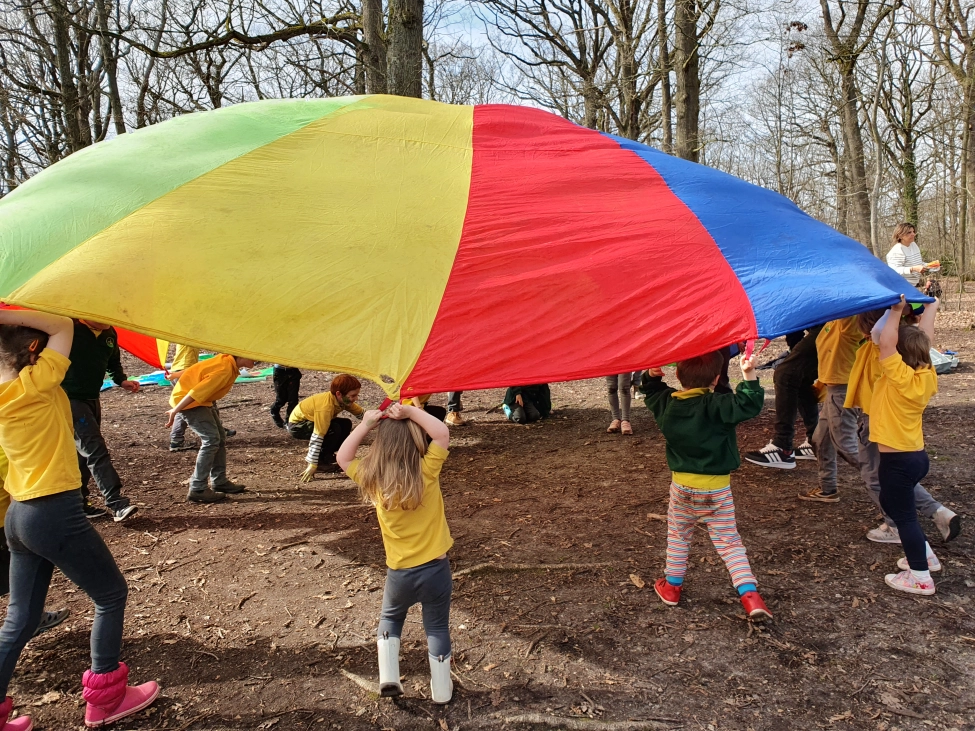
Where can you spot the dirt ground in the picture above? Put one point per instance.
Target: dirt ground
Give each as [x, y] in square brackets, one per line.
[260, 613]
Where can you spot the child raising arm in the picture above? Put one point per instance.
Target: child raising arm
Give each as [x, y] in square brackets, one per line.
[400, 476]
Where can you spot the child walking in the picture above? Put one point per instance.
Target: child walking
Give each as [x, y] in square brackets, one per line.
[316, 419]
[699, 426]
[401, 476]
[906, 385]
[195, 396]
[46, 526]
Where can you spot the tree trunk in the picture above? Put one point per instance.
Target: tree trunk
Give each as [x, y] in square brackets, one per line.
[687, 69]
[374, 53]
[968, 200]
[909, 171]
[70, 103]
[111, 65]
[853, 151]
[666, 111]
[405, 61]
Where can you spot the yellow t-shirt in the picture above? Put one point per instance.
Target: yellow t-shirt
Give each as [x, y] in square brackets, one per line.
[836, 346]
[320, 409]
[418, 401]
[414, 537]
[863, 377]
[207, 381]
[185, 357]
[898, 403]
[36, 431]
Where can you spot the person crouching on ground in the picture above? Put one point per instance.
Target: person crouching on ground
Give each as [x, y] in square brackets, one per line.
[906, 386]
[400, 476]
[527, 404]
[316, 419]
[702, 450]
[46, 526]
[195, 396]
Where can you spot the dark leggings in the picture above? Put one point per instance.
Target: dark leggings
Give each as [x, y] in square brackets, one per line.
[899, 473]
[430, 584]
[53, 531]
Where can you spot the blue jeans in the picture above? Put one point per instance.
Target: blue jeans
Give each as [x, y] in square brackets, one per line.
[93, 457]
[53, 531]
[899, 473]
[430, 584]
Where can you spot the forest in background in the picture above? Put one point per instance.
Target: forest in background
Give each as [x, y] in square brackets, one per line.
[860, 111]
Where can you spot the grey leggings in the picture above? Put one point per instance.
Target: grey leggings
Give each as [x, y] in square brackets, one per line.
[53, 531]
[429, 584]
[619, 395]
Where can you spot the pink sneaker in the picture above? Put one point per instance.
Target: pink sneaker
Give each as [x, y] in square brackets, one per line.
[905, 581]
[111, 699]
[21, 723]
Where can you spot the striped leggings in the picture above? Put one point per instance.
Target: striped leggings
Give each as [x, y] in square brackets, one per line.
[717, 509]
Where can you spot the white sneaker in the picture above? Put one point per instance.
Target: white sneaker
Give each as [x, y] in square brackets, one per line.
[948, 523]
[883, 533]
[805, 451]
[906, 581]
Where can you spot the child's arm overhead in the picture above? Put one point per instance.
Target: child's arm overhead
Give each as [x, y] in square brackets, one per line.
[60, 330]
[888, 336]
[926, 323]
[437, 430]
[347, 451]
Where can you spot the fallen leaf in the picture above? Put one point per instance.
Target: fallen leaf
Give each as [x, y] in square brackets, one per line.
[856, 603]
[637, 581]
[489, 668]
[656, 516]
[50, 697]
[269, 723]
[443, 724]
[841, 716]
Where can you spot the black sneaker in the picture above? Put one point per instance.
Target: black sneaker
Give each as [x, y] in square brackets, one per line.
[230, 488]
[205, 496]
[772, 456]
[50, 620]
[92, 512]
[278, 421]
[805, 451]
[122, 513]
[230, 432]
[178, 447]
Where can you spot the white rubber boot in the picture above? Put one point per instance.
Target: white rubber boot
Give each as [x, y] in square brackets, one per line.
[389, 684]
[441, 686]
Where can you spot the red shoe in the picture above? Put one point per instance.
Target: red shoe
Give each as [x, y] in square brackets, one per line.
[111, 699]
[668, 593]
[754, 606]
[21, 723]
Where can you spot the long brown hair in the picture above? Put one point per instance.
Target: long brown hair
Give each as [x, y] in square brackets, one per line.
[390, 475]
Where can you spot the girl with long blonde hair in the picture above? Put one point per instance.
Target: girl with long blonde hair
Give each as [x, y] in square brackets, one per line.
[400, 476]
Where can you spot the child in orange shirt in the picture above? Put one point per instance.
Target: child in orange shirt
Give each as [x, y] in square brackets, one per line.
[195, 396]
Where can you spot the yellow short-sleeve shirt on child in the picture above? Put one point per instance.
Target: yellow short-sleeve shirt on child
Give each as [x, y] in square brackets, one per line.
[899, 400]
[320, 409]
[36, 431]
[836, 346]
[414, 537]
[207, 381]
[863, 377]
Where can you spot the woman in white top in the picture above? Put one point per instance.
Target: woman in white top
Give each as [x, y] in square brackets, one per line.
[904, 256]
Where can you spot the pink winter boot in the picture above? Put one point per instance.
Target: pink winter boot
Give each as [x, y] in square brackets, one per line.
[21, 723]
[110, 700]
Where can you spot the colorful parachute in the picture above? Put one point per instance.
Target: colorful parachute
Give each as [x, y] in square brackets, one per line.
[422, 245]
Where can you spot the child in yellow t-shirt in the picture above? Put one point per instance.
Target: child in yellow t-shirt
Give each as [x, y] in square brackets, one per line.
[906, 385]
[45, 525]
[316, 419]
[401, 476]
[195, 396]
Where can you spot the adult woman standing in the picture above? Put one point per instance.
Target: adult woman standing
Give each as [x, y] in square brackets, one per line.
[904, 256]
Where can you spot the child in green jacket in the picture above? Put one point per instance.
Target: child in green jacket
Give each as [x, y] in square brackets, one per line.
[702, 450]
